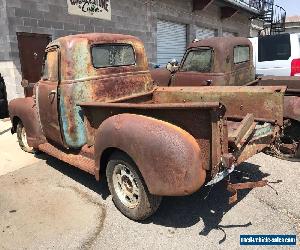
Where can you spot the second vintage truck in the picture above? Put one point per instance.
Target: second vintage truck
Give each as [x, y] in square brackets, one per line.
[96, 108]
[228, 61]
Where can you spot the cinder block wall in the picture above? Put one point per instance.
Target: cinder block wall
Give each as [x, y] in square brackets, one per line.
[135, 17]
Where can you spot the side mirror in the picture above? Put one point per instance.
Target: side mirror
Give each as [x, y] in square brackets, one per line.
[24, 83]
[173, 66]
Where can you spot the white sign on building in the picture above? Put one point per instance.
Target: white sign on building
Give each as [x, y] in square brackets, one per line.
[90, 8]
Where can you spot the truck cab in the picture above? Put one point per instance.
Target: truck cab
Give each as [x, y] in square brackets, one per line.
[215, 61]
[87, 68]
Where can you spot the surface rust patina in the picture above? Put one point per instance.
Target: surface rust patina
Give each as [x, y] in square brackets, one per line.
[177, 136]
[225, 72]
[222, 71]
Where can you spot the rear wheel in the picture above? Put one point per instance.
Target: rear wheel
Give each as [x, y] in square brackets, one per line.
[129, 191]
[22, 139]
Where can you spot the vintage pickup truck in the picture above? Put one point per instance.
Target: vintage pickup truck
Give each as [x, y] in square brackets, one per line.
[223, 61]
[96, 108]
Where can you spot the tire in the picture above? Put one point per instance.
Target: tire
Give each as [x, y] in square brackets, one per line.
[22, 139]
[128, 189]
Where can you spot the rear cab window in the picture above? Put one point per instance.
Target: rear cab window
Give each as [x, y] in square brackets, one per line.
[241, 54]
[272, 48]
[112, 55]
[199, 60]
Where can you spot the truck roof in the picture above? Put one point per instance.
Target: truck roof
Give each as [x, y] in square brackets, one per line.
[76, 55]
[93, 38]
[221, 42]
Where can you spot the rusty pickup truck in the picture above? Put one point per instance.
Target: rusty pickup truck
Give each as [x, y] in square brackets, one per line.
[223, 61]
[96, 108]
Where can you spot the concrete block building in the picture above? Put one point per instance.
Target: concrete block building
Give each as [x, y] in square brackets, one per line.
[165, 26]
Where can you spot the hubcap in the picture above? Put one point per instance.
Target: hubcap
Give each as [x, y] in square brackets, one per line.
[126, 186]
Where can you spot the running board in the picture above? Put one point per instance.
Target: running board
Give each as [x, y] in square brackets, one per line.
[79, 161]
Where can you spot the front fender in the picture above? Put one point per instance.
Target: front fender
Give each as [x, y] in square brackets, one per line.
[292, 107]
[167, 156]
[25, 110]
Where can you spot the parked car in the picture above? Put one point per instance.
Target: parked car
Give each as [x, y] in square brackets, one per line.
[96, 108]
[277, 55]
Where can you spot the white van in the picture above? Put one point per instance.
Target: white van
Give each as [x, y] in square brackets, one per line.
[277, 55]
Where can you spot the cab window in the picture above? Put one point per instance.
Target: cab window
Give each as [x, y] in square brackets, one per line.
[50, 72]
[199, 60]
[112, 55]
[241, 54]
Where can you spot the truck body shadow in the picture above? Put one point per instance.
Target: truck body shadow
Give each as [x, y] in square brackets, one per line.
[179, 212]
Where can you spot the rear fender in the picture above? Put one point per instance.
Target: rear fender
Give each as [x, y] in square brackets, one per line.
[25, 110]
[167, 156]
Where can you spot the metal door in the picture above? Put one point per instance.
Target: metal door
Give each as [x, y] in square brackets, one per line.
[171, 41]
[47, 98]
[32, 52]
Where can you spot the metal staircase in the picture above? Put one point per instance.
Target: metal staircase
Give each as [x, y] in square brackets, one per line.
[272, 15]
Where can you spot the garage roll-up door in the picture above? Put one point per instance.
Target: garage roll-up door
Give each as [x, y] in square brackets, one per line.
[203, 33]
[171, 41]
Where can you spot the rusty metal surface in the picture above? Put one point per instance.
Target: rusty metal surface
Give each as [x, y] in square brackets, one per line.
[224, 71]
[168, 157]
[191, 105]
[292, 107]
[239, 136]
[233, 188]
[77, 159]
[223, 50]
[292, 82]
[161, 77]
[265, 103]
[195, 119]
[257, 143]
[47, 102]
[25, 110]
[190, 78]
[82, 82]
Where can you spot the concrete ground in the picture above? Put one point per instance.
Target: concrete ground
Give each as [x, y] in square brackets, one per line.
[47, 204]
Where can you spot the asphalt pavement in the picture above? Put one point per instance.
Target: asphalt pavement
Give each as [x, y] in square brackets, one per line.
[47, 204]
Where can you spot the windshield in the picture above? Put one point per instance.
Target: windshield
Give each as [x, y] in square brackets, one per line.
[199, 60]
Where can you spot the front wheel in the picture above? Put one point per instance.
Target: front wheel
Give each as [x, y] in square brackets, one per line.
[22, 139]
[129, 191]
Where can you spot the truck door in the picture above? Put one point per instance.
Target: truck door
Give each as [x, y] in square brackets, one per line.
[47, 97]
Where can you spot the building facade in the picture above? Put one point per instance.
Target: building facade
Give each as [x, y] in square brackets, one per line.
[292, 24]
[165, 26]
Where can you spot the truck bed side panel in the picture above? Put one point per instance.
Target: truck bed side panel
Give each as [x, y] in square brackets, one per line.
[197, 122]
[265, 103]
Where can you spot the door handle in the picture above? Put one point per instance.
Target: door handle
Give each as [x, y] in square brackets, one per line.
[53, 92]
[209, 82]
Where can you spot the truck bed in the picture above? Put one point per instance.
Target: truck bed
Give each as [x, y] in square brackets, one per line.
[211, 117]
